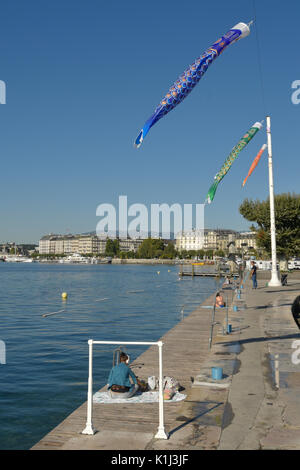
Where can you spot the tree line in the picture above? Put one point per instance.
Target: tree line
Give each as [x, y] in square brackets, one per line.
[287, 221]
[152, 248]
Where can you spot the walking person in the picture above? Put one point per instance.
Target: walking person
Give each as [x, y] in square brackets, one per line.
[253, 275]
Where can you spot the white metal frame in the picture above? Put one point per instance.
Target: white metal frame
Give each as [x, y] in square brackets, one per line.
[161, 434]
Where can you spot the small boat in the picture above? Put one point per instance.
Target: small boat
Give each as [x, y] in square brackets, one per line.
[17, 259]
[75, 258]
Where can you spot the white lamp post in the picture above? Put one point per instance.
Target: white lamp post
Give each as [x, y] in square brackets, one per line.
[274, 282]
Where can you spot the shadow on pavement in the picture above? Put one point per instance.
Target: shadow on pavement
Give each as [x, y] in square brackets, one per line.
[191, 420]
[262, 339]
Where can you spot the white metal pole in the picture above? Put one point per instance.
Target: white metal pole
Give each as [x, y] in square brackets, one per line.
[89, 425]
[161, 434]
[274, 282]
[276, 364]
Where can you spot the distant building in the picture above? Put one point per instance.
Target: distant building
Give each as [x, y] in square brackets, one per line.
[68, 244]
[190, 240]
[71, 245]
[246, 240]
[47, 244]
[20, 248]
[208, 239]
[215, 239]
[130, 244]
[225, 239]
[91, 244]
[83, 244]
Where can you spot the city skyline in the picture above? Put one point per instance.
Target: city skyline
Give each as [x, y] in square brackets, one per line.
[105, 235]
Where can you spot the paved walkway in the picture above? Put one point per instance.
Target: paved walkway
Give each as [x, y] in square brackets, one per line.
[256, 407]
[263, 400]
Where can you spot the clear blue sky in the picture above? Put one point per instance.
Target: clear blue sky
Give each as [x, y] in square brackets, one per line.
[82, 78]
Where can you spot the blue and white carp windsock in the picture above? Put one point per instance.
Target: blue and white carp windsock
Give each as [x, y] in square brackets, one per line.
[231, 158]
[191, 76]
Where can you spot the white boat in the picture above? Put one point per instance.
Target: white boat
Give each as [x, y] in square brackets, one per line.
[75, 258]
[17, 259]
[294, 263]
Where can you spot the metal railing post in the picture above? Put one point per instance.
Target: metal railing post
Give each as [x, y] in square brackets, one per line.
[89, 425]
[226, 312]
[161, 434]
[212, 324]
[182, 312]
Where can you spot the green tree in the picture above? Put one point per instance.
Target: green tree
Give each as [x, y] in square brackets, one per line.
[184, 254]
[287, 221]
[112, 247]
[192, 253]
[220, 253]
[151, 248]
[169, 251]
[209, 254]
[200, 253]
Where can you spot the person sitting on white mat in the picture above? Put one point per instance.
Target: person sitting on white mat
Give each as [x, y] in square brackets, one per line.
[119, 384]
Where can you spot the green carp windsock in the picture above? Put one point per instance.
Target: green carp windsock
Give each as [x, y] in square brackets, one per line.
[230, 159]
[191, 76]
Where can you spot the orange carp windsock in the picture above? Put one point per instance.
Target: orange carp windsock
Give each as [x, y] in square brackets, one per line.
[255, 162]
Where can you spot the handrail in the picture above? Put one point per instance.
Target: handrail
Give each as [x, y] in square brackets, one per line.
[245, 276]
[161, 434]
[213, 323]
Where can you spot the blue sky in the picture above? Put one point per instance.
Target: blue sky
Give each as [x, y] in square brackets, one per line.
[82, 78]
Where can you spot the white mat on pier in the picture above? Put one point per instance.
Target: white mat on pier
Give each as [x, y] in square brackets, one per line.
[145, 397]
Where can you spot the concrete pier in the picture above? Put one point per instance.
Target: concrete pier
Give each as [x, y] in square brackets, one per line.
[254, 406]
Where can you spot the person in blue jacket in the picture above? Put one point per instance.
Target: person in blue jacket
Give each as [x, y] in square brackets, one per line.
[253, 275]
[119, 384]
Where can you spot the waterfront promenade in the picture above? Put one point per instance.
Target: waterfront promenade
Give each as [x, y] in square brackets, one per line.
[256, 409]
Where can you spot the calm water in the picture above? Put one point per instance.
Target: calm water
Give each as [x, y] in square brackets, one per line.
[45, 375]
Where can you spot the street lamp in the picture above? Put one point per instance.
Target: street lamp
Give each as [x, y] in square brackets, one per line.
[274, 281]
[229, 244]
[242, 245]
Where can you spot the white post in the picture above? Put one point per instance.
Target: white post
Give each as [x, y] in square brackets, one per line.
[274, 282]
[276, 364]
[89, 425]
[161, 434]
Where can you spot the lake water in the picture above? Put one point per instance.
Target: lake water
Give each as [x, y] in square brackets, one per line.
[45, 375]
